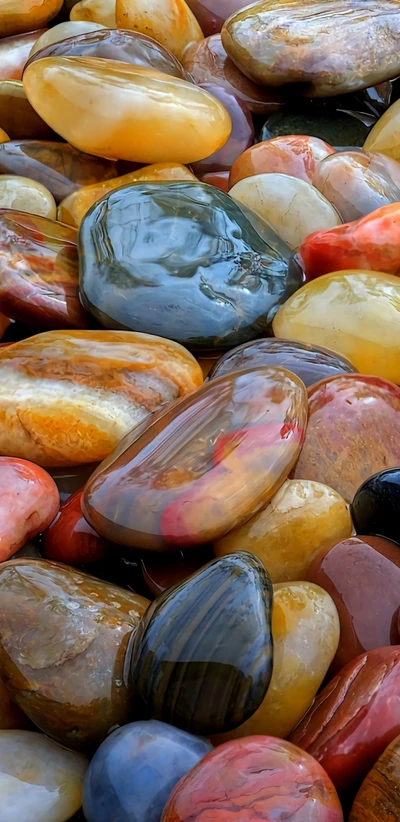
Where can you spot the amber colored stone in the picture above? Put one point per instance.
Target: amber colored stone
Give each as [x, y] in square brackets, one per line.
[62, 31]
[302, 519]
[219, 179]
[385, 135]
[39, 272]
[207, 363]
[208, 62]
[11, 717]
[19, 16]
[292, 154]
[115, 44]
[355, 313]
[357, 183]
[325, 44]
[291, 206]
[95, 11]
[74, 207]
[378, 799]
[241, 136]
[70, 538]
[63, 637]
[362, 575]
[14, 52]
[29, 502]
[61, 168]
[3, 136]
[139, 107]
[355, 717]
[162, 571]
[170, 22]
[70, 396]
[305, 631]
[23, 194]
[309, 362]
[371, 243]
[353, 432]
[259, 778]
[203, 467]
[17, 117]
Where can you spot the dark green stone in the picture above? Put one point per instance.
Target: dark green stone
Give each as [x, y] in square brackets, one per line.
[335, 127]
[184, 261]
[202, 658]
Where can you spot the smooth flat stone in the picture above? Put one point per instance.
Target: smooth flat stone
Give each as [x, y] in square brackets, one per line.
[193, 127]
[296, 155]
[302, 519]
[352, 432]
[378, 798]
[29, 502]
[70, 396]
[39, 780]
[202, 659]
[326, 44]
[291, 206]
[66, 671]
[375, 504]
[171, 484]
[261, 777]
[170, 22]
[309, 362]
[190, 264]
[134, 771]
[355, 717]
[362, 575]
[354, 313]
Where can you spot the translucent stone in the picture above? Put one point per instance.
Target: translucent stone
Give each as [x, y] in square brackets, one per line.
[14, 52]
[170, 22]
[291, 206]
[353, 431]
[326, 45]
[203, 467]
[74, 207]
[39, 780]
[305, 631]
[62, 31]
[135, 114]
[302, 519]
[67, 671]
[385, 135]
[296, 155]
[70, 539]
[18, 16]
[357, 183]
[95, 11]
[355, 313]
[23, 194]
[68, 397]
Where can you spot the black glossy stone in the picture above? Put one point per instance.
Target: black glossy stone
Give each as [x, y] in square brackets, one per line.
[376, 505]
[338, 128]
[184, 261]
[202, 656]
[310, 362]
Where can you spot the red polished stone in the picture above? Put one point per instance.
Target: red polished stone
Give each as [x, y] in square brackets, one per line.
[70, 538]
[29, 500]
[371, 243]
[253, 779]
[241, 136]
[355, 717]
[219, 179]
[362, 575]
[293, 154]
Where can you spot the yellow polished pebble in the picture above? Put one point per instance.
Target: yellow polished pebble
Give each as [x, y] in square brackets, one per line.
[23, 194]
[74, 207]
[305, 631]
[291, 206]
[62, 32]
[4, 138]
[96, 11]
[355, 313]
[302, 519]
[385, 135]
[122, 111]
[19, 16]
[170, 22]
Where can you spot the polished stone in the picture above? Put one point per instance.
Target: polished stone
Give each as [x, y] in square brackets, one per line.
[296, 155]
[14, 52]
[337, 128]
[95, 11]
[17, 117]
[379, 795]
[19, 16]
[23, 194]
[70, 539]
[63, 31]
[170, 22]
[375, 505]
[385, 136]
[29, 502]
[241, 136]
